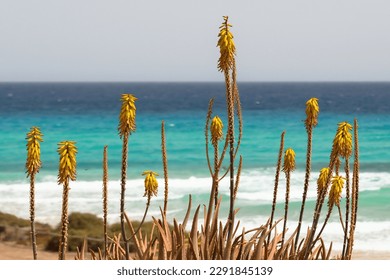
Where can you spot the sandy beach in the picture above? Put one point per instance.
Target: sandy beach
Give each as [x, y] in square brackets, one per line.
[13, 251]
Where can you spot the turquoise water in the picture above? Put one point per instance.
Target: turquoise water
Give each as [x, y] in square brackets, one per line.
[88, 114]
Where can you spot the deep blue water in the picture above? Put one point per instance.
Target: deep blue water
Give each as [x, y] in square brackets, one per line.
[88, 114]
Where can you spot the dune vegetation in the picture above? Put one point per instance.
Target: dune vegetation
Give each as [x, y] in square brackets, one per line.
[203, 234]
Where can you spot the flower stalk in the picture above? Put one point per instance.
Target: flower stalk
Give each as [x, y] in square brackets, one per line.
[216, 135]
[126, 127]
[67, 171]
[226, 64]
[151, 188]
[334, 196]
[105, 200]
[342, 147]
[33, 164]
[165, 166]
[288, 167]
[312, 111]
[276, 185]
[355, 191]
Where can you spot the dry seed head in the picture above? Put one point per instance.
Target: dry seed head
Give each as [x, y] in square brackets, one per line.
[335, 190]
[342, 143]
[312, 110]
[33, 162]
[216, 130]
[127, 115]
[322, 178]
[289, 160]
[67, 167]
[226, 46]
[151, 184]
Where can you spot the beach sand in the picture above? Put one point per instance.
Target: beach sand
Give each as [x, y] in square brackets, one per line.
[13, 251]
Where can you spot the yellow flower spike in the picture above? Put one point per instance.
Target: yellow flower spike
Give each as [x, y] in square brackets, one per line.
[151, 184]
[33, 162]
[67, 167]
[127, 115]
[322, 178]
[312, 110]
[226, 47]
[289, 160]
[335, 190]
[342, 143]
[216, 130]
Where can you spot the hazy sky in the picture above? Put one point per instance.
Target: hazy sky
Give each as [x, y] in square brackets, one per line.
[175, 40]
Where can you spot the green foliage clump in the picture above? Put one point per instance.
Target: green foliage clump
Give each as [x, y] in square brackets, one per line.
[12, 220]
[81, 226]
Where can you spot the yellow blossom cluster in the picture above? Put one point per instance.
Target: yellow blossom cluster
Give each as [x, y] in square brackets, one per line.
[342, 143]
[151, 184]
[335, 190]
[322, 178]
[312, 111]
[33, 162]
[226, 47]
[67, 167]
[289, 160]
[127, 115]
[216, 130]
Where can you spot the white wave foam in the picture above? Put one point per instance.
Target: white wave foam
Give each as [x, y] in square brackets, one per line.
[369, 235]
[256, 187]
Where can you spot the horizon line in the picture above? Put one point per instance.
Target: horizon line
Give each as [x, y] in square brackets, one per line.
[199, 81]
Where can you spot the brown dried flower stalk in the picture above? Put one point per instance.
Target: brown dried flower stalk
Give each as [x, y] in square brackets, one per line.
[165, 166]
[277, 173]
[105, 199]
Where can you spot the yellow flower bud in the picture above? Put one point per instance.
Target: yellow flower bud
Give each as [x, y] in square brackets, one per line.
[216, 130]
[151, 184]
[335, 190]
[322, 178]
[67, 167]
[342, 143]
[33, 162]
[312, 110]
[127, 115]
[289, 160]
[226, 46]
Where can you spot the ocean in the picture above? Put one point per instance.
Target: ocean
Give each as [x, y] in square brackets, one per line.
[88, 114]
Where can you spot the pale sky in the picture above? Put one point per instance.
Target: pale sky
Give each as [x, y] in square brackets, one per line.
[175, 40]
